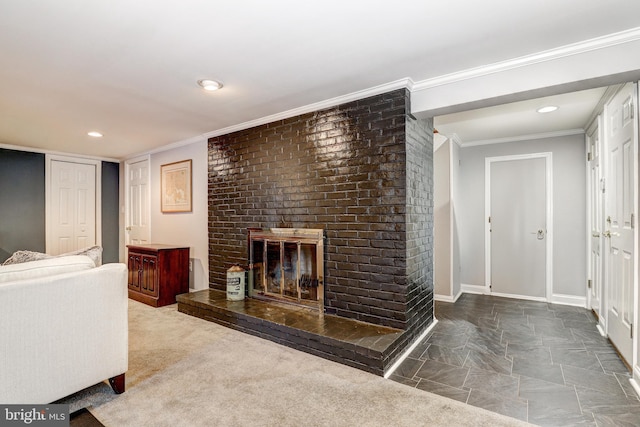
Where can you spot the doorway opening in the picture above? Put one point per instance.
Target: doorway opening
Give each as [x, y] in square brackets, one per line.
[594, 249]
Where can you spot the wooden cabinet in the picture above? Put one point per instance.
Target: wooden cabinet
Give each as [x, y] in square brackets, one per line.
[157, 273]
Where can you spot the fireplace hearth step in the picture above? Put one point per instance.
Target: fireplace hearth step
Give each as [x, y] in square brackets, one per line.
[365, 346]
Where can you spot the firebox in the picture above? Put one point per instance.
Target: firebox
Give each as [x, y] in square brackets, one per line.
[287, 264]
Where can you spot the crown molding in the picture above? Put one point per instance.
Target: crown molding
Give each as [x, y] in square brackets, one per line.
[597, 43]
[57, 153]
[606, 97]
[405, 83]
[518, 138]
[456, 139]
[170, 146]
[439, 140]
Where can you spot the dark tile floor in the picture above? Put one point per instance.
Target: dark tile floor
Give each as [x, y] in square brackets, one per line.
[537, 362]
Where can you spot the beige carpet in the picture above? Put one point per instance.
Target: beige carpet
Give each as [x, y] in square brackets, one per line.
[185, 371]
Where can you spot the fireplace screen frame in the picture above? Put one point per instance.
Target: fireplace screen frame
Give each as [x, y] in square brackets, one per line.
[267, 272]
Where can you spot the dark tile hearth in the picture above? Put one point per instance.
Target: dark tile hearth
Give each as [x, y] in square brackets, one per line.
[538, 362]
[369, 347]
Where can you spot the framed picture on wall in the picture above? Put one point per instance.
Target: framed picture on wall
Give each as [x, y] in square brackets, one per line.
[175, 187]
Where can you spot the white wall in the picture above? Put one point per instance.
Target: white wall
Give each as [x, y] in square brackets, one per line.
[569, 209]
[455, 238]
[441, 221]
[446, 240]
[189, 229]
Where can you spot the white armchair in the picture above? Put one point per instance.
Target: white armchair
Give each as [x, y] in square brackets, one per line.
[62, 331]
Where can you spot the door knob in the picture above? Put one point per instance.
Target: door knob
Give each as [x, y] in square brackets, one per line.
[539, 234]
[128, 228]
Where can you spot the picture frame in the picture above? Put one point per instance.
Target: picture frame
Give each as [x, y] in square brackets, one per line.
[176, 187]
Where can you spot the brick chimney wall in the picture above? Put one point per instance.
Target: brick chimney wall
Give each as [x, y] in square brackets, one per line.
[362, 171]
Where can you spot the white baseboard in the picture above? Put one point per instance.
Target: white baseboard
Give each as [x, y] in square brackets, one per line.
[473, 289]
[522, 297]
[411, 348]
[572, 300]
[447, 298]
[443, 298]
[602, 323]
[600, 330]
[569, 300]
[635, 385]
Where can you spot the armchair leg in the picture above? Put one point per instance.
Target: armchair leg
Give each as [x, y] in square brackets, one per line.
[117, 383]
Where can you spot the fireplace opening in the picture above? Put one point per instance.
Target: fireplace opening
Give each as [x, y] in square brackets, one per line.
[287, 264]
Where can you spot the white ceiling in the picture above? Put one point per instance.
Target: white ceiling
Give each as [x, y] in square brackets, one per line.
[129, 68]
[520, 120]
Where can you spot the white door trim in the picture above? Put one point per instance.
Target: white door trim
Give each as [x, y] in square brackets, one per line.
[48, 207]
[595, 129]
[127, 201]
[636, 242]
[548, 158]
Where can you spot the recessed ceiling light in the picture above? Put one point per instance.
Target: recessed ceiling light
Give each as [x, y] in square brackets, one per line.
[211, 85]
[94, 134]
[547, 109]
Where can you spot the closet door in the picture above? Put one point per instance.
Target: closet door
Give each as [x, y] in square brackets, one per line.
[518, 226]
[619, 211]
[71, 206]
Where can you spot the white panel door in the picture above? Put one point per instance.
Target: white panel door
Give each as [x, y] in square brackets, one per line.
[595, 220]
[62, 177]
[518, 229]
[619, 222]
[138, 229]
[73, 206]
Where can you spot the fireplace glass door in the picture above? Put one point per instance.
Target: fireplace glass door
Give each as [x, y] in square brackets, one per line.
[287, 264]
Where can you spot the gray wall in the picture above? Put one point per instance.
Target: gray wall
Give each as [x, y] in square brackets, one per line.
[22, 204]
[569, 209]
[110, 217]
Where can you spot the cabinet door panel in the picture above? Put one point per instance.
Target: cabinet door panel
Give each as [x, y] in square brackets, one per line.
[135, 268]
[149, 281]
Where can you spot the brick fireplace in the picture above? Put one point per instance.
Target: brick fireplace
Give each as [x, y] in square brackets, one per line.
[360, 171]
[287, 265]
